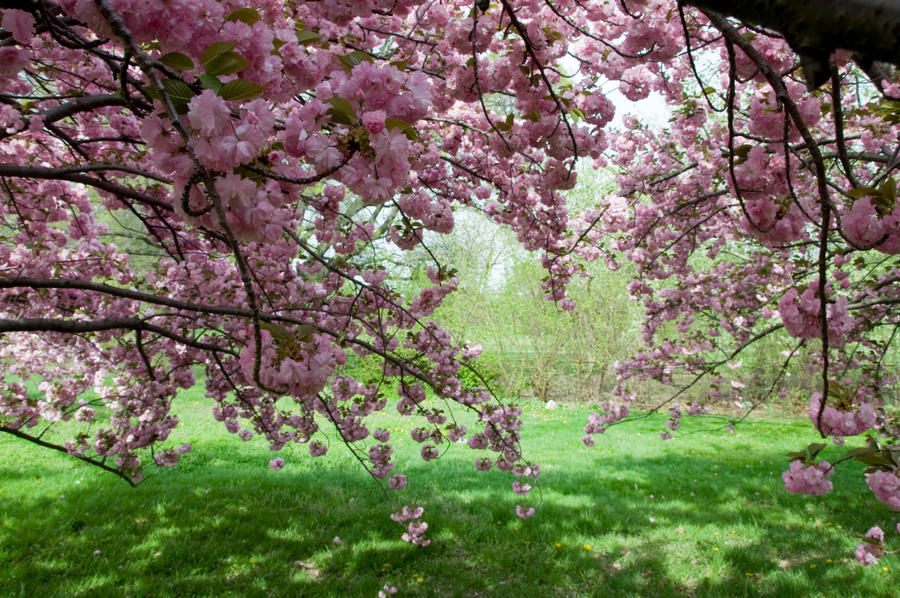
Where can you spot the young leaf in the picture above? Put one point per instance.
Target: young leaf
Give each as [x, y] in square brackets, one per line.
[534, 116]
[863, 450]
[240, 89]
[228, 63]
[305, 37]
[177, 90]
[815, 448]
[177, 61]
[341, 111]
[245, 15]
[741, 153]
[214, 50]
[408, 130]
[210, 82]
[288, 343]
[151, 91]
[889, 189]
[353, 58]
[863, 192]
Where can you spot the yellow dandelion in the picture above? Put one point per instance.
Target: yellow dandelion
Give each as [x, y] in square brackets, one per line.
[557, 544]
[587, 546]
[716, 548]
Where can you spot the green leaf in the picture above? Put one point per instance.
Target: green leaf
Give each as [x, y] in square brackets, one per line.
[863, 192]
[741, 153]
[279, 333]
[889, 190]
[341, 111]
[863, 450]
[177, 90]
[408, 130]
[507, 124]
[245, 15]
[288, 343]
[214, 50]
[177, 61]
[578, 113]
[534, 116]
[354, 58]
[875, 459]
[815, 448]
[838, 391]
[305, 37]
[228, 63]
[210, 82]
[151, 91]
[240, 89]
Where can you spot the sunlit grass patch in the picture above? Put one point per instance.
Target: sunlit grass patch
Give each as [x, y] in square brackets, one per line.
[705, 514]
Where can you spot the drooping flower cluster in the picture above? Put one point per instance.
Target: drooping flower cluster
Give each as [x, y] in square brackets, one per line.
[885, 485]
[808, 479]
[837, 422]
[871, 548]
[411, 517]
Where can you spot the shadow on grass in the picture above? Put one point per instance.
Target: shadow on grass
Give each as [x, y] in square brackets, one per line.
[643, 527]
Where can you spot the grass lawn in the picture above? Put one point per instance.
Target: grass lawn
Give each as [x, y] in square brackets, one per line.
[702, 515]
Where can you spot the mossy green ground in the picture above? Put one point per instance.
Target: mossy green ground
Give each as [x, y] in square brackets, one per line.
[703, 515]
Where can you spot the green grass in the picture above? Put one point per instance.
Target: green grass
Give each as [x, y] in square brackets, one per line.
[703, 515]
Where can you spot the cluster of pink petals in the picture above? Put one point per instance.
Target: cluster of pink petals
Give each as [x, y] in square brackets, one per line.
[867, 229]
[868, 552]
[415, 528]
[885, 485]
[800, 314]
[840, 423]
[811, 479]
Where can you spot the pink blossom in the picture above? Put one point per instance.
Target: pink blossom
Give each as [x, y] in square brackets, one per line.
[524, 512]
[800, 479]
[20, 24]
[208, 113]
[317, 449]
[837, 422]
[374, 121]
[885, 485]
[276, 463]
[521, 488]
[387, 590]
[868, 552]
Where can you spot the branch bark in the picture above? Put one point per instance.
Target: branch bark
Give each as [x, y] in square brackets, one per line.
[868, 27]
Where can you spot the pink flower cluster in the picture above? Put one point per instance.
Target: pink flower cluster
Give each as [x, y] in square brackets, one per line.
[869, 551]
[415, 528]
[836, 422]
[866, 228]
[885, 485]
[808, 479]
[800, 314]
